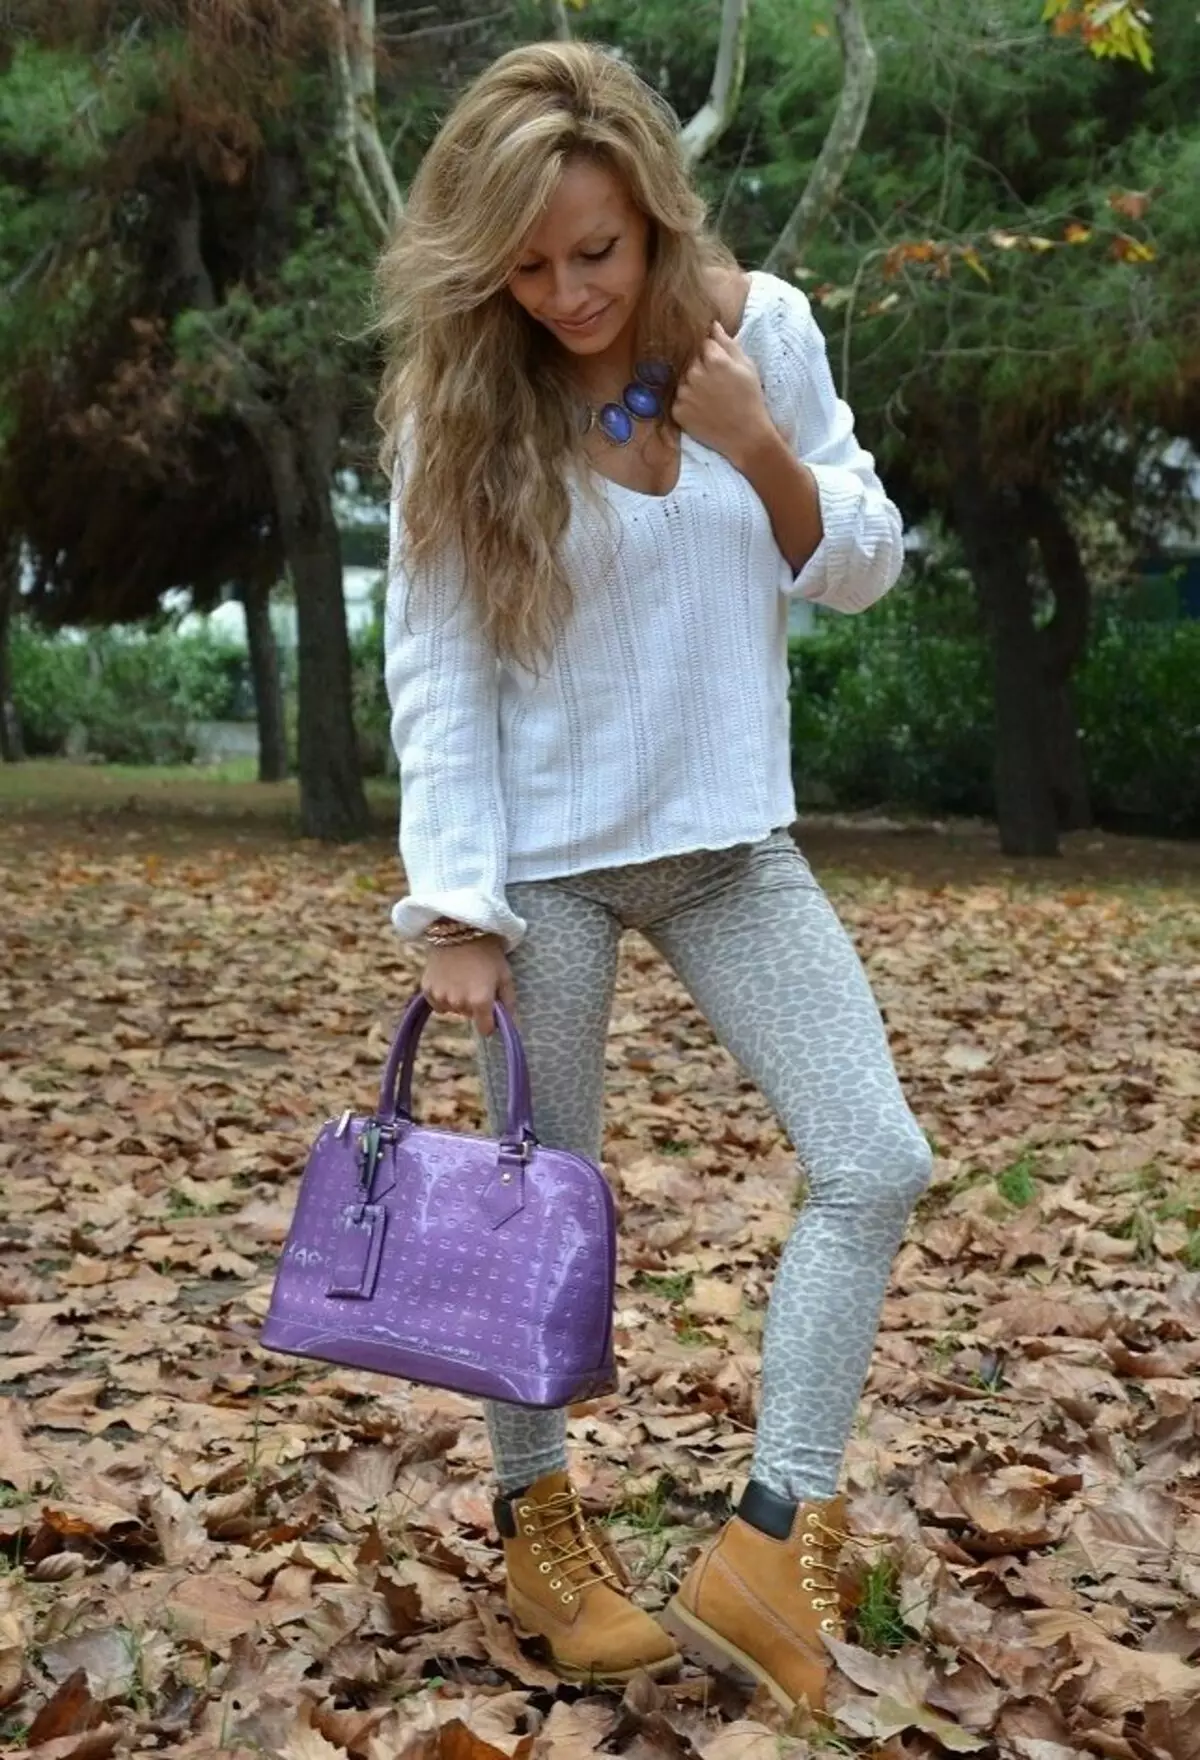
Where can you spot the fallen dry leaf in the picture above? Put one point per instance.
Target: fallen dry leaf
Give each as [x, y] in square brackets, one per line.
[224, 1550]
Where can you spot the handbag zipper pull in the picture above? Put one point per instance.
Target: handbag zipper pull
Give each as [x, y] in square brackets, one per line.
[369, 1150]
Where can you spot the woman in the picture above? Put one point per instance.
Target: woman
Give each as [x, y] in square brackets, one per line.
[586, 661]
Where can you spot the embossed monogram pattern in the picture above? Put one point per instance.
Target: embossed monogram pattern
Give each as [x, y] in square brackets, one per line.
[454, 1266]
[761, 950]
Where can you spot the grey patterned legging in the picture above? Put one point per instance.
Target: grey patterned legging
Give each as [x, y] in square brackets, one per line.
[758, 945]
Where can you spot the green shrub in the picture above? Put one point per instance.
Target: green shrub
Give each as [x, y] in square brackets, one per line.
[1138, 699]
[895, 709]
[884, 710]
[127, 696]
[372, 713]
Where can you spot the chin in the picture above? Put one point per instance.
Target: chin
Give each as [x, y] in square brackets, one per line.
[585, 344]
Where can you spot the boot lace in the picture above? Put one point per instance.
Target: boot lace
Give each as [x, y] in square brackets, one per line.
[821, 1566]
[573, 1561]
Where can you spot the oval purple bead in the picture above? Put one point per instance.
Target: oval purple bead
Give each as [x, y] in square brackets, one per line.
[616, 423]
[653, 372]
[642, 400]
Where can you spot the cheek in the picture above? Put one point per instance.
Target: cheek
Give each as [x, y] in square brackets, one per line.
[629, 271]
[521, 290]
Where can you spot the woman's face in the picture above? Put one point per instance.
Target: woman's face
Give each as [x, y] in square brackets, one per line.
[583, 266]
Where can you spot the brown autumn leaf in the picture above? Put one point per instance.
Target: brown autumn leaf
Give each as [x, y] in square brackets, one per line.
[571, 1732]
[114, 1659]
[1131, 1532]
[743, 1740]
[70, 1710]
[305, 1742]
[715, 1298]
[181, 1532]
[1036, 1729]
[213, 1609]
[880, 1719]
[1005, 1517]
[12, 1673]
[1120, 1679]
[1173, 1726]
[87, 1744]
[1038, 1364]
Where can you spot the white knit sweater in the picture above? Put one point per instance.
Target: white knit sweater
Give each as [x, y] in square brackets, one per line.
[661, 723]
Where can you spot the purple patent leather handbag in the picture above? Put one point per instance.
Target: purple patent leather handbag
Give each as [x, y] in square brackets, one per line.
[481, 1266]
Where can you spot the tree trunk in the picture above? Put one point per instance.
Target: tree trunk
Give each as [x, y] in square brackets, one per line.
[859, 69]
[11, 745]
[300, 450]
[996, 546]
[1063, 643]
[268, 688]
[1066, 758]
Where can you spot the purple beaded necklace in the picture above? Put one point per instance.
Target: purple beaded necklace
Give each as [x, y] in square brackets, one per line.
[641, 401]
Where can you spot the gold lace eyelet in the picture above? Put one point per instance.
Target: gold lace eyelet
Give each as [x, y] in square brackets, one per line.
[546, 1567]
[829, 1625]
[537, 1545]
[556, 1582]
[810, 1539]
[568, 1597]
[523, 1509]
[807, 1559]
[809, 1584]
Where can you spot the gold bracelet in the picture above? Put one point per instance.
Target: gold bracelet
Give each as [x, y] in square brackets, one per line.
[444, 932]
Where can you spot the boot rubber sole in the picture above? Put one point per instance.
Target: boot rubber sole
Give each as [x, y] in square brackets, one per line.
[701, 1641]
[567, 1671]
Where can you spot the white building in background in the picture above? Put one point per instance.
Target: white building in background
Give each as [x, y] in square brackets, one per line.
[229, 620]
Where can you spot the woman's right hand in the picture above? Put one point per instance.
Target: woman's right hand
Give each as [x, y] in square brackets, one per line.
[469, 979]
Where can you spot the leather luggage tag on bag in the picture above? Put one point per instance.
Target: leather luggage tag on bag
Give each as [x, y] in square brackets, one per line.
[357, 1250]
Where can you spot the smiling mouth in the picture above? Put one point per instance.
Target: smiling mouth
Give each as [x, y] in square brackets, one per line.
[580, 324]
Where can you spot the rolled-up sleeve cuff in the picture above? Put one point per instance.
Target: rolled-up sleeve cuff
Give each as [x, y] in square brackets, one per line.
[412, 916]
[862, 546]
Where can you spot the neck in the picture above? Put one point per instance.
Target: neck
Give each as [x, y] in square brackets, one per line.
[603, 376]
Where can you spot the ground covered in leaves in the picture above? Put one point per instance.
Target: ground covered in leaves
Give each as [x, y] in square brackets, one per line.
[207, 1548]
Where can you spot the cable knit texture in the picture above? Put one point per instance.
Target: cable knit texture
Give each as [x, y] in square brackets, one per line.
[660, 723]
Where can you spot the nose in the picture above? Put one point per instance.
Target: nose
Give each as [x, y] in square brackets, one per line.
[568, 296]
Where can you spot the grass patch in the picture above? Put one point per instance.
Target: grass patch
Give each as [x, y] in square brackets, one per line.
[158, 795]
[676, 1286]
[1017, 1185]
[878, 1621]
[1138, 1227]
[646, 1514]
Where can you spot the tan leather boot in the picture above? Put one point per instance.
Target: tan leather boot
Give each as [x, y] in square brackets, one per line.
[563, 1586]
[764, 1593]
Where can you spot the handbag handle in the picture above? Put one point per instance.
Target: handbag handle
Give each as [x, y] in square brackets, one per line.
[395, 1093]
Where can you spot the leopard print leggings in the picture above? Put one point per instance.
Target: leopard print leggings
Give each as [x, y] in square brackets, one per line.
[756, 942]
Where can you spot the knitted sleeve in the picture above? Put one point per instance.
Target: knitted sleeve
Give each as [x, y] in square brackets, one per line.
[861, 553]
[442, 684]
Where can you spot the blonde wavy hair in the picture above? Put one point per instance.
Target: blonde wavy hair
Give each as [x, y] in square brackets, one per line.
[476, 404]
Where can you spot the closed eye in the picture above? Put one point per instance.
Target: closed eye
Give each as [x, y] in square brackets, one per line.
[588, 257]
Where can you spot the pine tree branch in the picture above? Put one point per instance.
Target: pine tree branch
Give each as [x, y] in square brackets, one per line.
[713, 118]
[840, 143]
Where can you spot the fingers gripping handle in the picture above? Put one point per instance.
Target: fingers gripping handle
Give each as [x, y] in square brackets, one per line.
[395, 1095]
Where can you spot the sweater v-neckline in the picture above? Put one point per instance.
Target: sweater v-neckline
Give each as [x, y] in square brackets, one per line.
[685, 440]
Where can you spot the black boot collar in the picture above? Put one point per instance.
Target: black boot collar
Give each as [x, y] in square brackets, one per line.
[767, 1511]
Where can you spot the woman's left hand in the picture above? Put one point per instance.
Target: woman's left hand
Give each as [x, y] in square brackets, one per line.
[720, 399]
